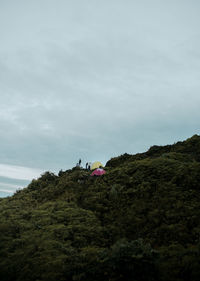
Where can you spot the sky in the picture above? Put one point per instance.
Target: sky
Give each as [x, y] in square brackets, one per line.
[93, 80]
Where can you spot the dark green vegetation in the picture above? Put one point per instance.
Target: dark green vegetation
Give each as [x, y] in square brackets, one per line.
[139, 222]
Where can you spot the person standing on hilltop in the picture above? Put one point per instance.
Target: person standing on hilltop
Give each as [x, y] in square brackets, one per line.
[86, 166]
[79, 162]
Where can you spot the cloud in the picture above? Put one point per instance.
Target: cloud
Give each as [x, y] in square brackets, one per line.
[8, 188]
[93, 80]
[18, 172]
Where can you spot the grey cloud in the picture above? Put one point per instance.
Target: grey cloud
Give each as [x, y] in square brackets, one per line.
[95, 79]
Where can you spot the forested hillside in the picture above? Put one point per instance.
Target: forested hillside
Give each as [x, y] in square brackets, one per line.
[138, 222]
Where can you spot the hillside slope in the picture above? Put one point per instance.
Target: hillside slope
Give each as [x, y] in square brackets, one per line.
[139, 221]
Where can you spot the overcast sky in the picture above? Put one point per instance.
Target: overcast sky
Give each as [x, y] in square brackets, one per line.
[94, 79]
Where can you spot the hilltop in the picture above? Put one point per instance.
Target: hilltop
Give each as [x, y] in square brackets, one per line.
[139, 221]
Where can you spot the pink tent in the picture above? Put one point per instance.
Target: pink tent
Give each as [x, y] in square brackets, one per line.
[98, 172]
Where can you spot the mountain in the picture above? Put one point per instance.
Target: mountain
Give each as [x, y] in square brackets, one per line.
[139, 221]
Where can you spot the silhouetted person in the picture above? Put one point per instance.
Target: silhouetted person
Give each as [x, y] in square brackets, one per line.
[86, 166]
[79, 162]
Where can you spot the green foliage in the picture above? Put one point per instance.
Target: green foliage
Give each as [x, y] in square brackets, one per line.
[132, 260]
[139, 221]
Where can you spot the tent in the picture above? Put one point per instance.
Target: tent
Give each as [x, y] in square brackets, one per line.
[96, 165]
[98, 172]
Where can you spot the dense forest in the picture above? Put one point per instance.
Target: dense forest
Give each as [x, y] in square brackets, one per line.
[138, 222]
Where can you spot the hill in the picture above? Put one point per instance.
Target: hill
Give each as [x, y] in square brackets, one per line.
[139, 221]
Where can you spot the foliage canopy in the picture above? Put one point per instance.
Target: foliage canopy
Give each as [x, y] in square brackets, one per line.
[139, 221]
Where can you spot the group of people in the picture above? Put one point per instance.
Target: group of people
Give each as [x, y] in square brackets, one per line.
[87, 165]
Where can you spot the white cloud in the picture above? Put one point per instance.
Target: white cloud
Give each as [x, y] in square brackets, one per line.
[6, 190]
[18, 172]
